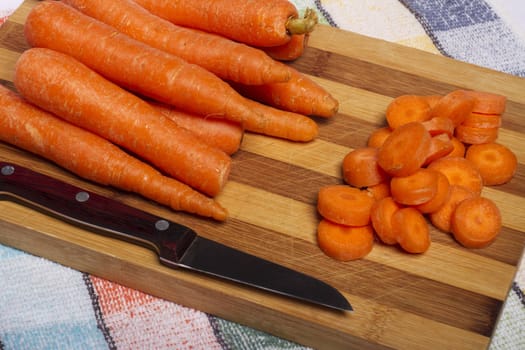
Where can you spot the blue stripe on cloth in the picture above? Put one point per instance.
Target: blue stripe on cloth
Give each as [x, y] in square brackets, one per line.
[470, 31]
[55, 310]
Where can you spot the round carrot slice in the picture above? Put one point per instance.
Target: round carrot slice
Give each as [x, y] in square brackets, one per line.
[360, 168]
[412, 230]
[488, 102]
[474, 136]
[345, 205]
[439, 125]
[380, 191]
[455, 105]
[496, 163]
[458, 150]
[459, 171]
[381, 217]
[432, 100]
[440, 146]
[442, 217]
[378, 137]
[443, 188]
[407, 108]
[479, 120]
[344, 243]
[416, 188]
[476, 222]
[405, 150]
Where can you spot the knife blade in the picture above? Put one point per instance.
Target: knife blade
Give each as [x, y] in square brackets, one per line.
[176, 245]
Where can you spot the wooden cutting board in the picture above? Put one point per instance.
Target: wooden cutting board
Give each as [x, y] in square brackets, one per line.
[449, 297]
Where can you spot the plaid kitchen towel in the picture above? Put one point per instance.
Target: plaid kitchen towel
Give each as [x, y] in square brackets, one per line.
[87, 312]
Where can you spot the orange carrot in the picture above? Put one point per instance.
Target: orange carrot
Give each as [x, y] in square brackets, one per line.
[440, 146]
[300, 95]
[496, 163]
[405, 150]
[442, 193]
[220, 133]
[72, 91]
[473, 136]
[345, 205]
[479, 120]
[132, 64]
[360, 168]
[456, 105]
[442, 218]
[439, 125]
[344, 243]
[93, 157]
[476, 222]
[487, 102]
[407, 108]
[290, 51]
[416, 188]
[381, 218]
[411, 230]
[459, 171]
[432, 100]
[227, 59]
[380, 191]
[266, 23]
[378, 137]
[459, 148]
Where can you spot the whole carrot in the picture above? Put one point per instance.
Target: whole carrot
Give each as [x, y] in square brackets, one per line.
[226, 58]
[77, 94]
[257, 23]
[94, 158]
[132, 64]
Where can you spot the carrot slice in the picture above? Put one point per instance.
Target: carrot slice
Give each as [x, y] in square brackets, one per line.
[405, 150]
[378, 137]
[381, 217]
[379, 191]
[345, 205]
[432, 100]
[488, 102]
[412, 230]
[473, 136]
[416, 188]
[442, 193]
[496, 163]
[407, 108]
[360, 168]
[439, 125]
[456, 105]
[459, 171]
[476, 222]
[459, 148]
[479, 120]
[440, 146]
[344, 243]
[442, 218]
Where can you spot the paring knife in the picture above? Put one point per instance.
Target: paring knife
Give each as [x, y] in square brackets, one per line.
[176, 245]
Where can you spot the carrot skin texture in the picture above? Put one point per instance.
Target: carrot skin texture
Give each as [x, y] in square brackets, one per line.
[257, 23]
[94, 158]
[132, 64]
[227, 59]
[72, 91]
[290, 51]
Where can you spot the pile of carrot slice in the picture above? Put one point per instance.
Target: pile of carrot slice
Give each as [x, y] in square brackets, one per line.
[428, 166]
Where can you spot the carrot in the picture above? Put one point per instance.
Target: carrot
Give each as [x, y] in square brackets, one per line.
[300, 95]
[381, 218]
[472, 135]
[442, 193]
[344, 243]
[459, 171]
[476, 222]
[290, 51]
[227, 59]
[220, 133]
[411, 230]
[416, 188]
[380, 191]
[345, 205]
[496, 163]
[257, 23]
[479, 120]
[459, 148]
[132, 64]
[378, 137]
[442, 218]
[456, 105]
[488, 102]
[432, 100]
[72, 91]
[405, 150]
[360, 168]
[94, 158]
[440, 146]
[439, 125]
[407, 108]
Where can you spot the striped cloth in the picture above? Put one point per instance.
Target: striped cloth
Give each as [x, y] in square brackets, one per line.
[87, 312]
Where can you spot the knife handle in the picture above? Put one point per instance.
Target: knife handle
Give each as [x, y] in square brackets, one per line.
[93, 211]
